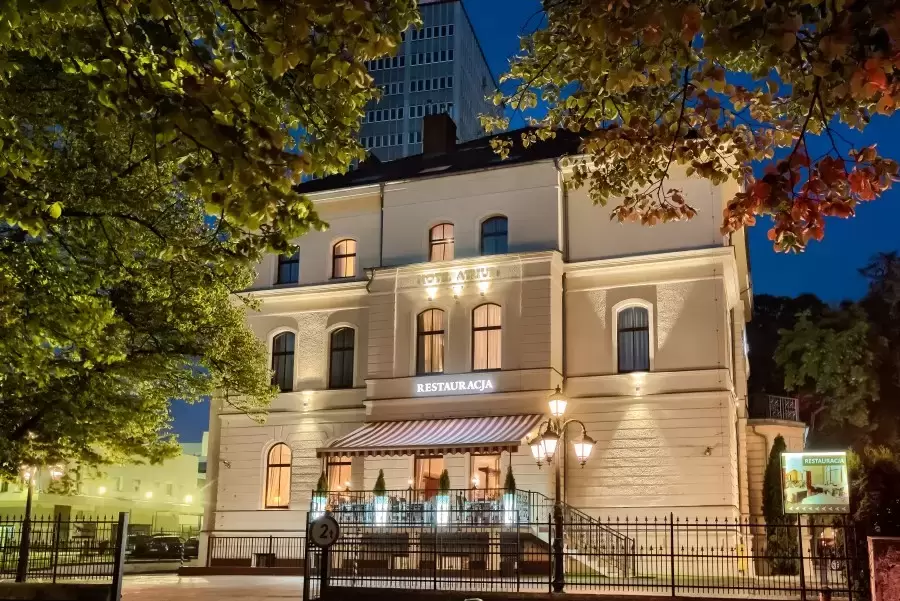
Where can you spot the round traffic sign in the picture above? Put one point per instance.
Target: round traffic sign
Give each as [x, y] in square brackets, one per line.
[323, 531]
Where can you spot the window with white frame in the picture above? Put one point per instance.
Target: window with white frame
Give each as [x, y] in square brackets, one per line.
[343, 257]
[278, 477]
[633, 339]
[441, 242]
[486, 337]
[430, 342]
[283, 361]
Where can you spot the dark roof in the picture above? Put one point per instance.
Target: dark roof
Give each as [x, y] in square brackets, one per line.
[469, 156]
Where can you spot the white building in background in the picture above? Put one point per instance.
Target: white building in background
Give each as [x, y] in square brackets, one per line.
[452, 293]
[167, 497]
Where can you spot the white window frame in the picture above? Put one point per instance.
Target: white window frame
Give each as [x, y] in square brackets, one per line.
[651, 331]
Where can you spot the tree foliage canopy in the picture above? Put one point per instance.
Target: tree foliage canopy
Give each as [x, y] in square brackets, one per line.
[148, 150]
[711, 86]
[844, 364]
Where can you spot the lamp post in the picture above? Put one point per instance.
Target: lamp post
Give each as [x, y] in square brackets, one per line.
[543, 448]
[30, 474]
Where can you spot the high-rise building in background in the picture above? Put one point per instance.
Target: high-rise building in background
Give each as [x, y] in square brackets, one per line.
[439, 68]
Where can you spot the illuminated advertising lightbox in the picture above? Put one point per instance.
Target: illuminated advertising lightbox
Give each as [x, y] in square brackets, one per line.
[815, 482]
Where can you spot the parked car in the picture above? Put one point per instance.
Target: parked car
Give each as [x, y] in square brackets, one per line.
[165, 546]
[192, 547]
[137, 545]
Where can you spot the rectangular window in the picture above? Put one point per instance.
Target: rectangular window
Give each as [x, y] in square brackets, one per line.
[343, 263]
[427, 85]
[402, 61]
[412, 137]
[421, 58]
[443, 55]
[450, 108]
[400, 113]
[441, 242]
[384, 140]
[450, 29]
[443, 30]
[337, 473]
[288, 269]
[413, 60]
[428, 33]
[450, 55]
[430, 342]
[400, 88]
[434, 56]
[449, 82]
[443, 82]
[428, 473]
[393, 114]
[485, 471]
[381, 63]
[170, 489]
[486, 337]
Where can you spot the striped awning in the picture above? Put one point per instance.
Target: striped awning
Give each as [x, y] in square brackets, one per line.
[435, 436]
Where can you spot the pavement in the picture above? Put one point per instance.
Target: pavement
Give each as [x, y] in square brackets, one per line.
[171, 587]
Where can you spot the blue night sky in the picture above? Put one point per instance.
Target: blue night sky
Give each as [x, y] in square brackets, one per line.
[827, 268]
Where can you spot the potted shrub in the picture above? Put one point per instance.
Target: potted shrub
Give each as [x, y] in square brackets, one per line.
[381, 501]
[509, 497]
[442, 500]
[320, 496]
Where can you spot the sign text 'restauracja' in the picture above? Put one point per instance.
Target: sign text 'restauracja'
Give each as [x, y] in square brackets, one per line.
[458, 386]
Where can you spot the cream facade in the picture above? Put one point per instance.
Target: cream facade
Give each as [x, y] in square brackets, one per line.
[670, 435]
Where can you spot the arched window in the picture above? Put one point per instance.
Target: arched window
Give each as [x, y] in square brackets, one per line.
[633, 333]
[288, 269]
[283, 361]
[430, 342]
[494, 240]
[343, 259]
[340, 370]
[278, 477]
[486, 337]
[441, 242]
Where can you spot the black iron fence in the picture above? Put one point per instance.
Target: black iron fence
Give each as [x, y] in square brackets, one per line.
[57, 549]
[668, 555]
[272, 550]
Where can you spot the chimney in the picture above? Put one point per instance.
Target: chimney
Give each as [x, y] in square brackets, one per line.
[439, 134]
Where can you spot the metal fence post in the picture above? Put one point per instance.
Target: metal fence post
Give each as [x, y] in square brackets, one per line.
[802, 567]
[672, 550]
[306, 559]
[56, 532]
[119, 558]
[518, 545]
[435, 547]
[210, 545]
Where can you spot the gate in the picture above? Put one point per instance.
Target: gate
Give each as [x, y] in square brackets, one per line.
[312, 568]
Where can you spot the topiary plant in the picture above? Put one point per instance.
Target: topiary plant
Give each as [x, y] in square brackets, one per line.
[322, 484]
[509, 484]
[380, 489]
[781, 534]
[444, 482]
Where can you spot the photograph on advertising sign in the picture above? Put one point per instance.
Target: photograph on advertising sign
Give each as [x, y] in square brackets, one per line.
[815, 482]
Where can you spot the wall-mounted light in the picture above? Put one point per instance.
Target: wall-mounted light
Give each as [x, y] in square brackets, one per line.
[457, 290]
[148, 494]
[431, 292]
[101, 490]
[483, 287]
[707, 452]
[188, 499]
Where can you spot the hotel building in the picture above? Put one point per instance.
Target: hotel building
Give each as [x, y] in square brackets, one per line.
[452, 293]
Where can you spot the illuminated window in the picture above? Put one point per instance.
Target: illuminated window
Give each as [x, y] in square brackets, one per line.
[278, 477]
[288, 269]
[343, 261]
[486, 337]
[283, 361]
[633, 341]
[430, 342]
[485, 471]
[441, 242]
[494, 240]
[428, 473]
[340, 372]
[337, 472]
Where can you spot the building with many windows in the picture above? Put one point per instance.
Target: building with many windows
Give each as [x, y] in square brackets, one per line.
[439, 68]
[452, 293]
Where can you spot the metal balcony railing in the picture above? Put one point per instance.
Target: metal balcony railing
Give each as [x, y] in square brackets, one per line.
[770, 406]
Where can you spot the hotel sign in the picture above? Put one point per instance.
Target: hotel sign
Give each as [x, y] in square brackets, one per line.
[459, 276]
[456, 384]
[815, 482]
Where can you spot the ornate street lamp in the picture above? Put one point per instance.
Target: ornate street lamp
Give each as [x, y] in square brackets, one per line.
[544, 447]
[30, 476]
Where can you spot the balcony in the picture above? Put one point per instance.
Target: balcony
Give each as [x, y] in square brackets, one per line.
[770, 406]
